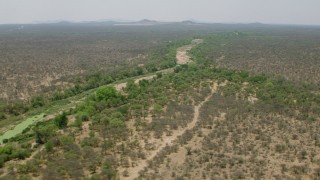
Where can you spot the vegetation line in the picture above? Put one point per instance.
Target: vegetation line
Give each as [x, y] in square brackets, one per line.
[17, 129]
[182, 58]
[199, 120]
[169, 141]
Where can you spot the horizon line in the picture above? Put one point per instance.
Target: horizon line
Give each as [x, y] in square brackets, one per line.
[156, 21]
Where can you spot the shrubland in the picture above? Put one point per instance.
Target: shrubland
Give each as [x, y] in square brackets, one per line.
[251, 124]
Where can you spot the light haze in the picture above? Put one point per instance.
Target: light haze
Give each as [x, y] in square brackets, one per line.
[217, 11]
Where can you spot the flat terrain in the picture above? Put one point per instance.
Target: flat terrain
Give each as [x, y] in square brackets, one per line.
[40, 59]
[221, 104]
[293, 54]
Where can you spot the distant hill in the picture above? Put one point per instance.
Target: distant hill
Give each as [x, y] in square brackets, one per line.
[143, 22]
[147, 21]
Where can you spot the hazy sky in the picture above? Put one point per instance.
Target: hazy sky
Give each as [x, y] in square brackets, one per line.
[264, 11]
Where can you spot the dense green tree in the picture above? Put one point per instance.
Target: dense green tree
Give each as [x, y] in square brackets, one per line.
[82, 116]
[37, 101]
[108, 79]
[116, 120]
[44, 132]
[8, 153]
[106, 92]
[2, 116]
[61, 120]
[143, 83]
[17, 108]
[49, 146]
[139, 71]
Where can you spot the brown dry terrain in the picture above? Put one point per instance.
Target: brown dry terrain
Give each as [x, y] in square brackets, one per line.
[131, 173]
[166, 141]
[45, 58]
[182, 52]
[293, 55]
[32, 64]
[228, 146]
[194, 121]
[182, 58]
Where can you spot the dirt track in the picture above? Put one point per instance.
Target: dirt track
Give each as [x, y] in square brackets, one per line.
[182, 52]
[169, 140]
[182, 58]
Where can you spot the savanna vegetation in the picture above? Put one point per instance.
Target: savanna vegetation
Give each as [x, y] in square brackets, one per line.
[148, 52]
[213, 118]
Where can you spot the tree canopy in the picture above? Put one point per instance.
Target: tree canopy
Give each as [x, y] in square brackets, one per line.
[106, 92]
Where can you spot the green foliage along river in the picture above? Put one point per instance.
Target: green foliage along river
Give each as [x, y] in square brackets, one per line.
[20, 127]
